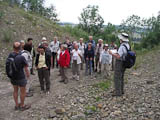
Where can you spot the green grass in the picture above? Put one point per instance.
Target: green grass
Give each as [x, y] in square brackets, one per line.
[141, 53]
[103, 85]
[7, 36]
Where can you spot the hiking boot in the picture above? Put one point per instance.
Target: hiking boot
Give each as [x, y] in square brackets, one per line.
[61, 81]
[29, 94]
[73, 77]
[66, 81]
[78, 78]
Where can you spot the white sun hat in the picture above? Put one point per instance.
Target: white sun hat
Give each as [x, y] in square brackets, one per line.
[44, 39]
[123, 37]
[106, 45]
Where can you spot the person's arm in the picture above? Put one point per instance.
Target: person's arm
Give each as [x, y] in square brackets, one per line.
[117, 56]
[26, 71]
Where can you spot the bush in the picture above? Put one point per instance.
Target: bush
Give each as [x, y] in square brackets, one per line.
[7, 36]
[1, 15]
[76, 32]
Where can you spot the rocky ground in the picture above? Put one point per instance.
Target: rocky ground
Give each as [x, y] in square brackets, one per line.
[90, 98]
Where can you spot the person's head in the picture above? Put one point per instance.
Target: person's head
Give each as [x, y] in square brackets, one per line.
[44, 39]
[89, 45]
[67, 40]
[45, 44]
[81, 40]
[41, 49]
[16, 46]
[55, 39]
[28, 47]
[60, 46]
[74, 42]
[123, 37]
[106, 46]
[22, 43]
[30, 40]
[90, 37]
[64, 47]
[76, 46]
[100, 41]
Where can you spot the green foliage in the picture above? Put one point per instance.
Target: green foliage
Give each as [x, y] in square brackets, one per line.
[103, 85]
[152, 38]
[7, 36]
[1, 14]
[109, 33]
[76, 32]
[37, 6]
[90, 20]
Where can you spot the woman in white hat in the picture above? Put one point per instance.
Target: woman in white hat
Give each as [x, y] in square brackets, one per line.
[105, 60]
[119, 67]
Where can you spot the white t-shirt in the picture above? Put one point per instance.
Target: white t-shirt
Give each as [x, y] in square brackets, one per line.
[54, 46]
[75, 56]
[28, 58]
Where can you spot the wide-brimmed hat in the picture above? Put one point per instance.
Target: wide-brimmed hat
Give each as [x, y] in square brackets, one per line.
[123, 37]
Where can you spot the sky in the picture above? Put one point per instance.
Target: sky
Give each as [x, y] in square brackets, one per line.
[113, 11]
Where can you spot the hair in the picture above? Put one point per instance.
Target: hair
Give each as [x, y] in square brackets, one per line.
[28, 47]
[29, 39]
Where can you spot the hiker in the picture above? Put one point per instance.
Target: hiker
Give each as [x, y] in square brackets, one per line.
[119, 67]
[33, 53]
[48, 52]
[54, 46]
[44, 39]
[64, 61]
[81, 46]
[105, 60]
[28, 57]
[18, 78]
[99, 49]
[93, 47]
[89, 56]
[58, 56]
[76, 61]
[43, 64]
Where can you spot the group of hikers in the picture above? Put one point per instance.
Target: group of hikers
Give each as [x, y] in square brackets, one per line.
[64, 56]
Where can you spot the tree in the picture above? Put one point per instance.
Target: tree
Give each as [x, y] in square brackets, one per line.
[131, 25]
[51, 14]
[37, 6]
[90, 20]
[34, 5]
[109, 33]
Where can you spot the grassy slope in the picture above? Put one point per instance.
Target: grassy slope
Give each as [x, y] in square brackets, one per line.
[17, 24]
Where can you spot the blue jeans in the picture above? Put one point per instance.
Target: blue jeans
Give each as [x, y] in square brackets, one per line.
[89, 65]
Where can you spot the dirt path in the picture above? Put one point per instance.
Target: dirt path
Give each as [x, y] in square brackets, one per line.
[80, 100]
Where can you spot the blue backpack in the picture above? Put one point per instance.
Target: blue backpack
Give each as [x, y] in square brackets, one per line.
[130, 58]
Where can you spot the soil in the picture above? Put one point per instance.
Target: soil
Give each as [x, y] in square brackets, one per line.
[81, 100]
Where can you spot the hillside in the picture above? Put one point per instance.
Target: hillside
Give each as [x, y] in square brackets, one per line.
[16, 24]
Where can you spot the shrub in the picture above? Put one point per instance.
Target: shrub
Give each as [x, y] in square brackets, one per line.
[7, 36]
[1, 15]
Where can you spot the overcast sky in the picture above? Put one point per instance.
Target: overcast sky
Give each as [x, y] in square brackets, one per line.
[113, 11]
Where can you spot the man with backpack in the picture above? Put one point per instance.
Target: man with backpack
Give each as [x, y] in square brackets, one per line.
[119, 66]
[16, 68]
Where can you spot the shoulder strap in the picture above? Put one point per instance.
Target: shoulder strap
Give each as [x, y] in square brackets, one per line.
[126, 47]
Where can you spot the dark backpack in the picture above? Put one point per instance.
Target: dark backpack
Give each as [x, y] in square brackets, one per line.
[11, 68]
[130, 58]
